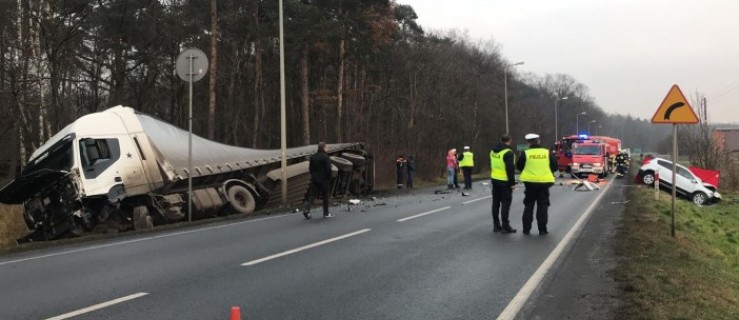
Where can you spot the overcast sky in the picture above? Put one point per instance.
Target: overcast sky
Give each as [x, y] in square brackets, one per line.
[628, 52]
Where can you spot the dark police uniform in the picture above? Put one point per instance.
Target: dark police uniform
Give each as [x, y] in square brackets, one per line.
[502, 177]
[537, 167]
[467, 162]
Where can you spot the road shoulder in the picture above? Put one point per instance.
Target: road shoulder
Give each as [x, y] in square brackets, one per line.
[582, 284]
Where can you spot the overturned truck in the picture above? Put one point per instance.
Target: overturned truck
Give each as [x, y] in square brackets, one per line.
[119, 170]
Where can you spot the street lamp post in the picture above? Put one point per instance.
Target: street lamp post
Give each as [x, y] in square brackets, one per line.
[589, 125]
[283, 122]
[596, 129]
[577, 122]
[556, 120]
[505, 91]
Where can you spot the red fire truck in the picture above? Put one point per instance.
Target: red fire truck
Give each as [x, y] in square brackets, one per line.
[563, 149]
[590, 157]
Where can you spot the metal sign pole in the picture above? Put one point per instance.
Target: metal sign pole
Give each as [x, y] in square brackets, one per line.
[656, 185]
[191, 66]
[189, 146]
[674, 176]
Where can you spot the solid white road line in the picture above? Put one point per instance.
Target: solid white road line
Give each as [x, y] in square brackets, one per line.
[513, 307]
[423, 214]
[139, 240]
[306, 247]
[471, 201]
[98, 306]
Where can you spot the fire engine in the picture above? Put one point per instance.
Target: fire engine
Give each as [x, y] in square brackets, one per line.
[564, 149]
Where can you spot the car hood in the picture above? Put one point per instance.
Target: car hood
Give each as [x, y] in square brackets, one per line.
[26, 186]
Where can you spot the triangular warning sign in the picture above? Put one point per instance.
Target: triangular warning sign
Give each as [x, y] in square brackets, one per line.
[675, 109]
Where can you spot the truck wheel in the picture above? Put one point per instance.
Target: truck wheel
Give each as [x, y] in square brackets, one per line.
[241, 200]
[342, 164]
[142, 219]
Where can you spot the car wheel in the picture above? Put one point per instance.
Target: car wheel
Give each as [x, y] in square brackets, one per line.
[648, 178]
[699, 198]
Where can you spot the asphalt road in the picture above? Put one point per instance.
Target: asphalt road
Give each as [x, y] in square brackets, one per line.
[418, 255]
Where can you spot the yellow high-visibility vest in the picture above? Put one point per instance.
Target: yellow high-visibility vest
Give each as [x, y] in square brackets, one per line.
[467, 160]
[537, 166]
[497, 165]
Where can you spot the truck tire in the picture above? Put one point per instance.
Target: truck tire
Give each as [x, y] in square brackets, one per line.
[141, 218]
[357, 160]
[241, 199]
[342, 164]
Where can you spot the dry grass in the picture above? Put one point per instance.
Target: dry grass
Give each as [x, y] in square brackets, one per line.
[12, 225]
[692, 276]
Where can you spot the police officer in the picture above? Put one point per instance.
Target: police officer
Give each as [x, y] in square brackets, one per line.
[502, 177]
[467, 162]
[537, 168]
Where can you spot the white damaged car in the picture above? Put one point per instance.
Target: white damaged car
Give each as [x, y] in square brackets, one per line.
[688, 185]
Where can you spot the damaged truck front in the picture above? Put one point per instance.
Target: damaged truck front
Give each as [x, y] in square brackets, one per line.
[118, 170]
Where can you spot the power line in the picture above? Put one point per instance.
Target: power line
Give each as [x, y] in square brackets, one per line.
[729, 87]
[724, 95]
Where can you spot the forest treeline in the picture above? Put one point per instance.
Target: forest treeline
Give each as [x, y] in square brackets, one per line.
[356, 70]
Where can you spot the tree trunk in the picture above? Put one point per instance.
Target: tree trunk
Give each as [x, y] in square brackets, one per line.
[340, 91]
[412, 98]
[213, 66]
[258, 80]
[305, 94]
[257, 93]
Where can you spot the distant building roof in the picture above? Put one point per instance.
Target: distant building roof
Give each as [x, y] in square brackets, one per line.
[727, 128]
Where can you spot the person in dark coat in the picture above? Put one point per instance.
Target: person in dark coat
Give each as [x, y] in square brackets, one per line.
[320, 180]
[503, 179]
[410, 168]
[537, 168]
[399, 165]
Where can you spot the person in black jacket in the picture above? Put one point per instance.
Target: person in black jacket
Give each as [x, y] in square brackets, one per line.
[502, 177]
[399, 165]
[411, 168]
[320, 180]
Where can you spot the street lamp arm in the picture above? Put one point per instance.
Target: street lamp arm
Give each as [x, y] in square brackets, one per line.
[505, 92]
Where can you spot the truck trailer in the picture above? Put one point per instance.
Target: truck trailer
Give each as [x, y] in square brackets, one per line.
[120, 169]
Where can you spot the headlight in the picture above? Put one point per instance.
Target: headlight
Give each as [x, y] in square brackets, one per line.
[597, 164]
[716, 194]
[575, 164]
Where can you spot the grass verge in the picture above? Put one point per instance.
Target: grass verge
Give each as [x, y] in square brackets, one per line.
[692, 276]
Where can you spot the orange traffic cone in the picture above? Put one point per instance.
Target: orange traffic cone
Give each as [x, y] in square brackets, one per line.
[235, 313]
